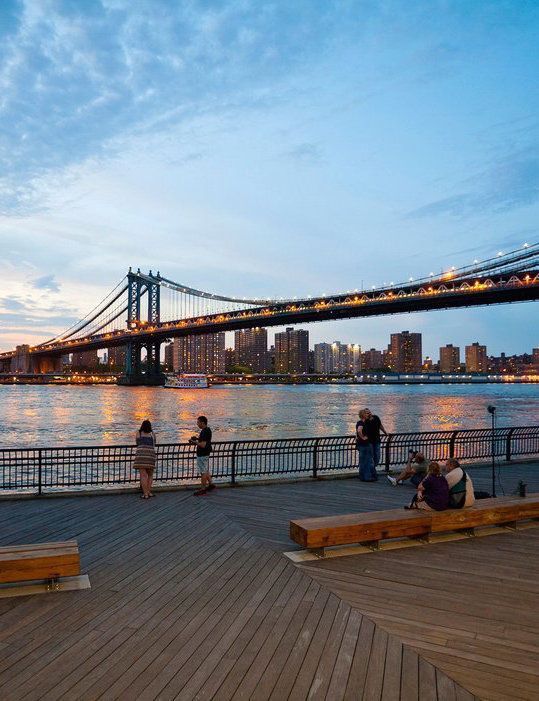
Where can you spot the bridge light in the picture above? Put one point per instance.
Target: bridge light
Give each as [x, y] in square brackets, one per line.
[500, 253]
[411, 279]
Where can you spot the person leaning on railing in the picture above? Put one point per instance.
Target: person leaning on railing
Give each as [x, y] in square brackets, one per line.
[461, 492]
[145, 458]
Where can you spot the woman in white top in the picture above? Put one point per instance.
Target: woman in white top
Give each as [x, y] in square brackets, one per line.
[461, 493]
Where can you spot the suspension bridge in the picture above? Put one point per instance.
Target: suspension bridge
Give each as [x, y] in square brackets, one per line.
[144, 310]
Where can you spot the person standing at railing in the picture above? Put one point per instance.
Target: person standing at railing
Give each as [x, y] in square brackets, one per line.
[367, 473]
[203, 444]
[145, 458]
[373, 428]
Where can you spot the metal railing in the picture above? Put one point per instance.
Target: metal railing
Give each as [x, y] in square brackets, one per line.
[41, 470]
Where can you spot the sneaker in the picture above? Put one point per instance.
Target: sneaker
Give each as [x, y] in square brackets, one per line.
[200, 493]
[392, 480]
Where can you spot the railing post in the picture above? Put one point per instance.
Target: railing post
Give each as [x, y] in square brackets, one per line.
[39, 466]
[452, 444]
[387, 451]
[233, 466]
[508, 444]
[315, 459]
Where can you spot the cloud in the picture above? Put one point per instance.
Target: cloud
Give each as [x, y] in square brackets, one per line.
[12, 304]
[78, 79]
[307, 153]
[46, 282]
[508, 184]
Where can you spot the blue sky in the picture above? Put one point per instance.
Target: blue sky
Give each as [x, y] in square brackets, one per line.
[265, 148]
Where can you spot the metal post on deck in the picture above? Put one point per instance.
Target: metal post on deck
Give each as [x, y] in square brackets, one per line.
[387, 451]
[315, 458]
[508, 444]
[452, 444]
[233, 466]
[39, 464]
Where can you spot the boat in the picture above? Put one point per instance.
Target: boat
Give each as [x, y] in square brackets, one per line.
[186, 380]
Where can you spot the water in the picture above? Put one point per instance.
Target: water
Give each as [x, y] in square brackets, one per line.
[34, 416]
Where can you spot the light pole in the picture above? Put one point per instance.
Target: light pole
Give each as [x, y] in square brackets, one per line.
[492, 411]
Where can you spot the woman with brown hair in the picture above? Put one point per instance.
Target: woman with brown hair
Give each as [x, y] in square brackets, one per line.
[432, 492]
[145, 458]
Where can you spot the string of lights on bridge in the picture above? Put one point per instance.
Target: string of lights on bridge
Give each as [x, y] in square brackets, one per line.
[185, 307]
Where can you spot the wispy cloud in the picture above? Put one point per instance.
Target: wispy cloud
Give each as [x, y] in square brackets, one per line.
[46, 282]
[307, 153]
[508, 184]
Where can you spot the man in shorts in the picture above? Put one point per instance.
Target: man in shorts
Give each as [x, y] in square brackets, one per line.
[203, 444]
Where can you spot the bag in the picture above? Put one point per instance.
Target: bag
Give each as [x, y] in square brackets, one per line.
[482, 495]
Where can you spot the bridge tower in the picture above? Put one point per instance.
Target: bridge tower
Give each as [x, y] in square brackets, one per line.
[139, 285]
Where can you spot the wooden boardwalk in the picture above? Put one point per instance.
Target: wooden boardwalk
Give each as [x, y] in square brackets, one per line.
[193, 599]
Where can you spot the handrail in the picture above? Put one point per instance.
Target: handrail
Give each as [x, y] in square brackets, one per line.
[43, 469]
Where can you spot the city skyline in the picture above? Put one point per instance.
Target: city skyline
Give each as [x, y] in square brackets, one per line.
[390, 141]
[292, 351]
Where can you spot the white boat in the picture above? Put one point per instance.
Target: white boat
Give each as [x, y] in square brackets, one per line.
[186, 380]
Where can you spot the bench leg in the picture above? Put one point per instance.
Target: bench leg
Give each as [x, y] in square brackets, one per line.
[372, 545]
[53, 584]
[511, 525]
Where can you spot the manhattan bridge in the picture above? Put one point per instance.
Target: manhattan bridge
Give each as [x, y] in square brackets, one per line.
[144, 310]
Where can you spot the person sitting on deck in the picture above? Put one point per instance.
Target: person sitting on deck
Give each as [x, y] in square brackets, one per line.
[461, 492]
[415, 470]
[433, 491]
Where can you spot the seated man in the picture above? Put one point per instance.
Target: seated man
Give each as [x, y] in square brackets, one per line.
[415, 470]
[461, 492]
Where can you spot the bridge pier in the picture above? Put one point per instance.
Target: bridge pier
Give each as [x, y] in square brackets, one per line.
[134, 374]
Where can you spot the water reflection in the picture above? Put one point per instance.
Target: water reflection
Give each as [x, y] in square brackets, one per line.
[41, 416]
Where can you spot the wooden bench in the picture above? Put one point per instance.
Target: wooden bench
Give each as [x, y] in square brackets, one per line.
[372, 527]
[46, 566]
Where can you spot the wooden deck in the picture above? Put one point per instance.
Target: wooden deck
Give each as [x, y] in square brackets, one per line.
[193, 599]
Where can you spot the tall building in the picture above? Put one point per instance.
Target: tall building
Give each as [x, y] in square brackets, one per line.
[85, 360]
[292, 351]
[372, 360]
[169, 356]
[406, 352]
[476, 358]
[116, 356]
[322, 358]
[230, 359]
[345, 358]
[535, 359]
[337, 358]
[449, 358]
[251, 349]
[200, 353]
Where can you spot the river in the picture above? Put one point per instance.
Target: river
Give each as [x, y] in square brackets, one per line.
[33, 416]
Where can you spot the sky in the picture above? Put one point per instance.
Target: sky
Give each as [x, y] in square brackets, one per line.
[255, 148]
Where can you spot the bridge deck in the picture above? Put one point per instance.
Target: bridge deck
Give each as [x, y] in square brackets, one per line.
[192, 598]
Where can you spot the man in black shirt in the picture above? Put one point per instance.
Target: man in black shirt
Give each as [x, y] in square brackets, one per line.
[373, 427]
[203, 444]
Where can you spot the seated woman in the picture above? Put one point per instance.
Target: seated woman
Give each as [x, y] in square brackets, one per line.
[461, 492]
[433, 492]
